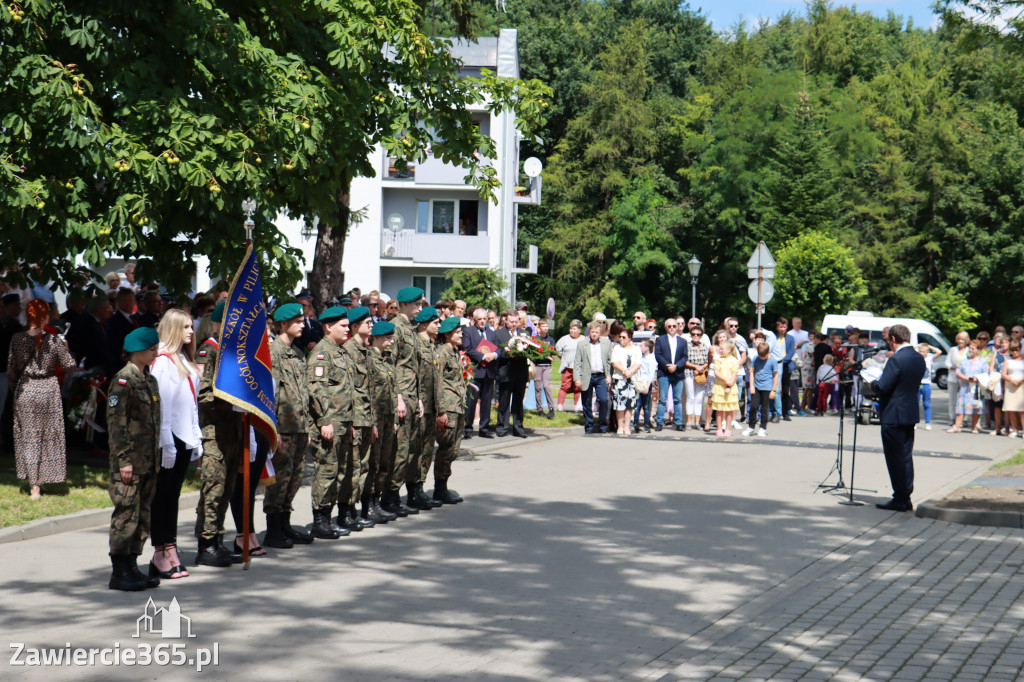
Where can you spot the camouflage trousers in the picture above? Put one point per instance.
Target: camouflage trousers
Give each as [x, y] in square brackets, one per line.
[133, 506]
[289, 464]
[222, 454]
[407, 451]
[448, 444]
[356, 467]
[382, 455]
[330, 460]
[428, 438]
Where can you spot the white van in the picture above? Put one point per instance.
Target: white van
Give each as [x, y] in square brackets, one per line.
[920, 330]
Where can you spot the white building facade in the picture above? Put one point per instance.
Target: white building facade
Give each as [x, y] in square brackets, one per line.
[418, 223]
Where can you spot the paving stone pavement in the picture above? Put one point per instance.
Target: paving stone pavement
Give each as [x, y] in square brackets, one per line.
[585, 558]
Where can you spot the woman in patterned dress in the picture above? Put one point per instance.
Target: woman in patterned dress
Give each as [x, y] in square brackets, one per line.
[38, 412]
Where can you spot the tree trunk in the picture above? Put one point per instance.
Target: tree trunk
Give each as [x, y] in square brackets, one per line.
[325, 280]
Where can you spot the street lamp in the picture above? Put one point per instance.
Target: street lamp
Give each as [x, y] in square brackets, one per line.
[694, 266]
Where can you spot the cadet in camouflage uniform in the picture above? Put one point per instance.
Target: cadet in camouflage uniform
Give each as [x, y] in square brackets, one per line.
[133, 422]
[329, 374]
[291, 393]
[430, 395]
[364, 422]
[222, 454]
[410, 409]
[452, 417]
[385, 401]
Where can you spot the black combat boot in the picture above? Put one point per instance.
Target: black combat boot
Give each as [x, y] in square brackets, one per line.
[361, 520]
[370, 511]
[392, 502]
[133, 563]
[348, 520]
[275, 536]
[323, 528]
[212, 553]
[422, 495]
[444, 495]
[122, 577]
[382, 513]
[416, 499]
[299, 537]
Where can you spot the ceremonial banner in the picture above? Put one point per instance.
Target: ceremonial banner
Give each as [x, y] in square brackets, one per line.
[243, 377]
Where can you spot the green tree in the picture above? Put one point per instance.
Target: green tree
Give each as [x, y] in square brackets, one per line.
[816, 275]
[946, 308]
[279, 101]
[477, 286]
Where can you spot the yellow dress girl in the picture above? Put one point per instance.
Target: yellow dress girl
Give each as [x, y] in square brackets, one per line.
[725, 392]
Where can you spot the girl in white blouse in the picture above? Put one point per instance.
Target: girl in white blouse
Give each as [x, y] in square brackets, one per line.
[180, 437]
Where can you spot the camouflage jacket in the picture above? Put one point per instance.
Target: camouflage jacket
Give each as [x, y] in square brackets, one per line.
[291, 389]
[363, 413]
[407, 361]
[211, 409]
[133, 420]
[430, 376]
[453, 394]
[382, 375]
[329, 373]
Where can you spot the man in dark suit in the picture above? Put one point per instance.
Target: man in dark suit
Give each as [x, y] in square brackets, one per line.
[897, 390]
[670, 352]
[513, 375]
[121, 323]
[312, 331]
[150, 310]
[89, 342]
[485, 371]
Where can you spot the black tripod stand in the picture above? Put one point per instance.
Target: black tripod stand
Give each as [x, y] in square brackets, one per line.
[845, 377]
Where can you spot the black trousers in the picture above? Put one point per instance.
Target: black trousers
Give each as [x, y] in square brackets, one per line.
[784, 387]
[164, 523]
[510, 401]
[898, 446]
[255, 471]
[484, 396]
[760, 400]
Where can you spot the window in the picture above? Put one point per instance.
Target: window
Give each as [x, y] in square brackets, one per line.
[422, 216]
[443, 217]
[469, 214]
[420, 283]
[438, 285]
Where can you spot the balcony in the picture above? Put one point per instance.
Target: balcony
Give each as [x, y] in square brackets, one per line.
[432, 171]
[420, 248]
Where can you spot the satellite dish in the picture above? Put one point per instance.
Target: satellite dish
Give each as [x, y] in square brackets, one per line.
[532, 167]
[395, 222]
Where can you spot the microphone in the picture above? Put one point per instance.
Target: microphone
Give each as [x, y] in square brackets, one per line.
[853, 345]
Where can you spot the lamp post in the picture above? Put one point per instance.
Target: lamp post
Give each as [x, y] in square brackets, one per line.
[694, 266]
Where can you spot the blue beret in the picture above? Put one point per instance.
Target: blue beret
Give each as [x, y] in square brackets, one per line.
[333, 314]
[426, 315]
[288, 311]
[142, 338]
[409, 295]
[450, 324]
[218, 313]
[383, 329]
[357, 315]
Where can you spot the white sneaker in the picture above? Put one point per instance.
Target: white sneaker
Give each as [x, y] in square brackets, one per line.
[927, 427]
[761, 433]
[747, 431]
[735, 424]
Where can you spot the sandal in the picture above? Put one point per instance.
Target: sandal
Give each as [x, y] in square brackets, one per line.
[953, 429]
[253, 551]
[728, 433]
[975, 431]
[177, 571]
[719, 433]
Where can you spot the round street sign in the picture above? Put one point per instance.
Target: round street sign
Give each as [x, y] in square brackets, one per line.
[767, 291]
[551, 309]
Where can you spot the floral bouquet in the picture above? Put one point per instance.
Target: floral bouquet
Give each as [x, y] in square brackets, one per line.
[529, 348]
[467, 370]
[85, 392]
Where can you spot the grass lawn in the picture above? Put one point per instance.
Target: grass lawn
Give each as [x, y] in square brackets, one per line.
[86, 488]
[1011, 462]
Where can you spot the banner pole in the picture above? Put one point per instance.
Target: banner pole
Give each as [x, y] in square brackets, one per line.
[248, 207]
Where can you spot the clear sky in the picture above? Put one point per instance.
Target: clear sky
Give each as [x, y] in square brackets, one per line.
[725, 13]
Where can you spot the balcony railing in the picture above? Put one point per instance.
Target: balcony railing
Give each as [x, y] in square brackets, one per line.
[396, 244]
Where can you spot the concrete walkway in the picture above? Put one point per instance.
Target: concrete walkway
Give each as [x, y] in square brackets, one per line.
[593, 558]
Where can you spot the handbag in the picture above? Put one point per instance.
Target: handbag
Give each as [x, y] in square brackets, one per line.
[976, 403]
[700, 377]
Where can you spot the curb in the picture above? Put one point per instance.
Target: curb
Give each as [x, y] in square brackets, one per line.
[88, 518]
[971, 517]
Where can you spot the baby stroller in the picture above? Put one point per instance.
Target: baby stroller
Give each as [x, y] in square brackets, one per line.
[867, 409]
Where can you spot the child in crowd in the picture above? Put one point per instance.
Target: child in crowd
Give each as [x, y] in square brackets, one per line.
[828, 385]
[648, 374]
[924, 394]
[764, 382]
